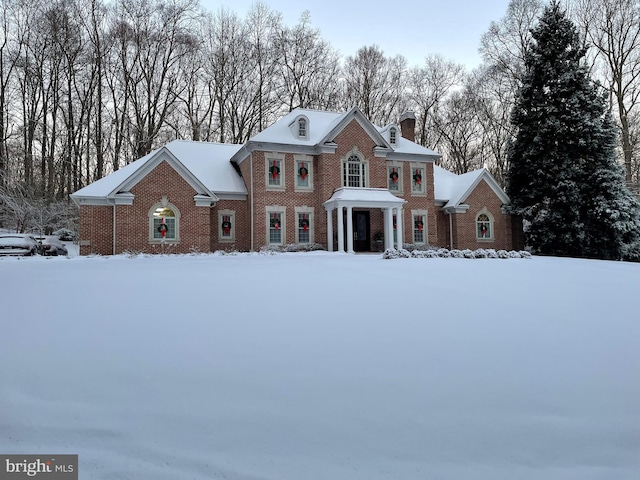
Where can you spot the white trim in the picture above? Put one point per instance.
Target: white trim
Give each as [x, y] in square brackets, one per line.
[283, 220]
[164, 203]
[310, 216]
[425, 226]
[415, 166]
[364, 175]
[399, 168]
[491, 237]
[269, 157]
[232, 219]
[308, 160]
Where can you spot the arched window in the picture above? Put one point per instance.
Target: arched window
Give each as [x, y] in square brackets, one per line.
[393, 135]
[164, 222]
[484, 227]
[354, 172]
[302, 128]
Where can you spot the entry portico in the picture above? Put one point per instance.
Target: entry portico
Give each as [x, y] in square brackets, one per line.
[350, 198]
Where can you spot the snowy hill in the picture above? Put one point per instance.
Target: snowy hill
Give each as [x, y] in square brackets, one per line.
[323, 366]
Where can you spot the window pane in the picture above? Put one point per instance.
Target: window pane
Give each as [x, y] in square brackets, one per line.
[274, 172]
[302, 174]
[484, 226]
[418, 229]
[304, 228]
[275, 228]
[394, 178]
[418, 180]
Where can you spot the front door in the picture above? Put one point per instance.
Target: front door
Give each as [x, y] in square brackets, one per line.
[361, 238]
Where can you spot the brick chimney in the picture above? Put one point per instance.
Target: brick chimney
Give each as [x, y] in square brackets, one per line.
[408, 126]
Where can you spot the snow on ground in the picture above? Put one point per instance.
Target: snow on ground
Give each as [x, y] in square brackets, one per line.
[323, 366]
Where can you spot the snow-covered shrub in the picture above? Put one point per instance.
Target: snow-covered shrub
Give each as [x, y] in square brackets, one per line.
[430, 254]
[390, 254]
[491, 253]
[525, 254]
[269, 250]
[403, 253]
[468, 253]
[514, 254]
[292, 247]
[502, 254]
[455, 253]
[443, 253]
[133, 253]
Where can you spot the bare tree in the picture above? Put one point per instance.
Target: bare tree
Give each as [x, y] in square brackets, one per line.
[429, 85]
[309, 67]
[612, 27]
[376, 84]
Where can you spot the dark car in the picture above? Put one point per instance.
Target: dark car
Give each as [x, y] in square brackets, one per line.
[53, 246]
[65, 235]
[18, 244]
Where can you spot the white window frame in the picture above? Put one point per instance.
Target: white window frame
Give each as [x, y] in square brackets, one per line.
[269, 159]
[423, 184]
[308, 162]
[398, 167]
[164, 203]
[308, 211]
[393, 136]
[269, 211]
[364, 170]
[232, 233]
[425, 226]
[491, 222]
[302, 135]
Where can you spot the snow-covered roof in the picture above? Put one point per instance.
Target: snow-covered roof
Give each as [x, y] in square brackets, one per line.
[322, 126]
[209, 163]
[452, 189]
[373, 197]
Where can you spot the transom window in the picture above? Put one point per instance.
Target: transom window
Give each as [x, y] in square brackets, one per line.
[484, 230]
[354, 172]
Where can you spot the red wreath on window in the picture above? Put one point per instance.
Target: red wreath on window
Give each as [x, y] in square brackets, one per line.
[394, 176]
[419, 225]
[417, 177]
[304, 223]
[274, 170]
[162, 228]
[274, 222]
[483, 230]
[226, 226]
[303, 171]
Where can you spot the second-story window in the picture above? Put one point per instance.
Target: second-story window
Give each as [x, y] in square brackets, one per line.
[353, 174]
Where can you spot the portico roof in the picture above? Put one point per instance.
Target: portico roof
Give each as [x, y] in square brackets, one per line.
[364, 198]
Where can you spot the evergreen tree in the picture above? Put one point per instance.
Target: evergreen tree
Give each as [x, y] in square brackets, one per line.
[564, 179]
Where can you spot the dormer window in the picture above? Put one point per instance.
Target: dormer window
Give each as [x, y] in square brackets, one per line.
[302, 128]
[393, 135]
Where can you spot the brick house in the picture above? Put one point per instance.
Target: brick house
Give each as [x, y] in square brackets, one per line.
[312, 177]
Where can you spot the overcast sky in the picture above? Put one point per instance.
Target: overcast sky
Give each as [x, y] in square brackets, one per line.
[411, 28]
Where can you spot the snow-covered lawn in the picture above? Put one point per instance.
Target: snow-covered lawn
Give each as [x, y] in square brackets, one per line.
[321, 366]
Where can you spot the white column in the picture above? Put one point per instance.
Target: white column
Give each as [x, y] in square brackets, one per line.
[399, 227]
[350, 229]
[330, 230]
[388, 228]
[340, 231]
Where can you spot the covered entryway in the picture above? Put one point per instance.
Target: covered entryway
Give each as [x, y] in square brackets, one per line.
[357, 223]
